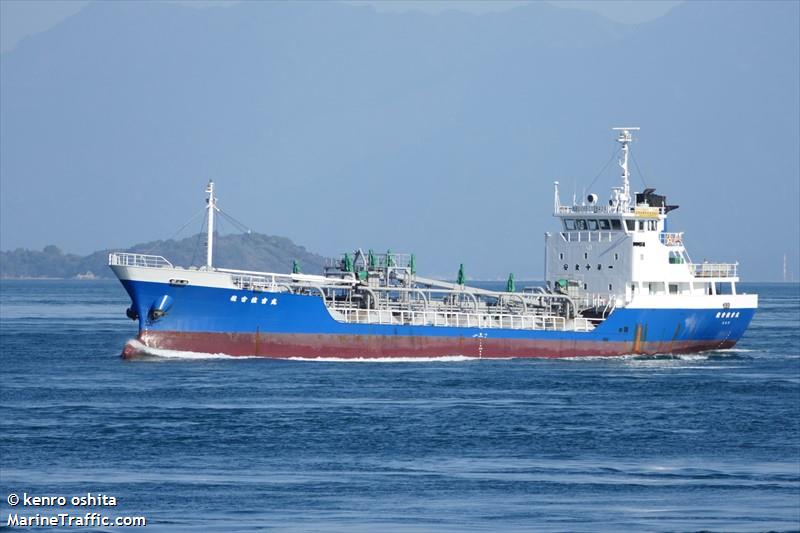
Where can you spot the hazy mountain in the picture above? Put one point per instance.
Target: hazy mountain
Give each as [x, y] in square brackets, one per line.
[438, 134]
[265, 253]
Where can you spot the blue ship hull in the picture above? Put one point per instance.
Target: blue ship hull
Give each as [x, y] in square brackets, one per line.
[241, 322]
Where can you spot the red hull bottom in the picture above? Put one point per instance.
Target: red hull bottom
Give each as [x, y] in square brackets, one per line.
[312, 346]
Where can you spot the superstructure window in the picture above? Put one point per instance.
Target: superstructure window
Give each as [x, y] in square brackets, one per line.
[569, 224]
[616, 224]
[604, 225]
[592, 223]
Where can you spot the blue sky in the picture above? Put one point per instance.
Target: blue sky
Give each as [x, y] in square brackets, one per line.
[426, 130]
[22, 18]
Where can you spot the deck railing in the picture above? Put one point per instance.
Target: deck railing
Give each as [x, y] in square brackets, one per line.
[587, 236]
[138, 260]
[456, 319]
[713, 270]
[672, 239]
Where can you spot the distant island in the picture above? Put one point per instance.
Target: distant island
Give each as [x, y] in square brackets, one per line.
[253, 251]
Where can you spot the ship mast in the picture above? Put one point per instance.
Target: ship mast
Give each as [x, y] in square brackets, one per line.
[624, 194]
[212, 205]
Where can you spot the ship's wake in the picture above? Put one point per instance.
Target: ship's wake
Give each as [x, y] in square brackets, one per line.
[135, 349]
[711, 355]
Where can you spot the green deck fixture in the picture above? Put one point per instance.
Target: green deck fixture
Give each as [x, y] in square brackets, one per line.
[372, 264]
[461, 278]
[412, 264]
[510, 285]
[389, 258]
[295, 267]
[348, 263]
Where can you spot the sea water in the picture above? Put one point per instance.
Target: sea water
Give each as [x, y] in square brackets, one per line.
[205, 442]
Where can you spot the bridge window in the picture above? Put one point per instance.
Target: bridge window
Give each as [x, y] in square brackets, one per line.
[652, 225]
[581, 224]
[616, 224]
[592, 223]
[673, 288]
[604, 224]
[630, 224]
[641, 225]
[569, 224]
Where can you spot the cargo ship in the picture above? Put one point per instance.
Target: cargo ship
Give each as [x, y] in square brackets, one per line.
[616, 282]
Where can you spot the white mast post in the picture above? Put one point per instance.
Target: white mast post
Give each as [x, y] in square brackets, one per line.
[212, 205]
[556, 199]
[625, 139]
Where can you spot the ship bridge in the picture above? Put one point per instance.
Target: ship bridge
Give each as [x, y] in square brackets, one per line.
[607, 254]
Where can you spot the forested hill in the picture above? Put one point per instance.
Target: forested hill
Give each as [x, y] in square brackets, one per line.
[253, 251]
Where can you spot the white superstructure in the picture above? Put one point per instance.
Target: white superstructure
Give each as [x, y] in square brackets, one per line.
[621, 254]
